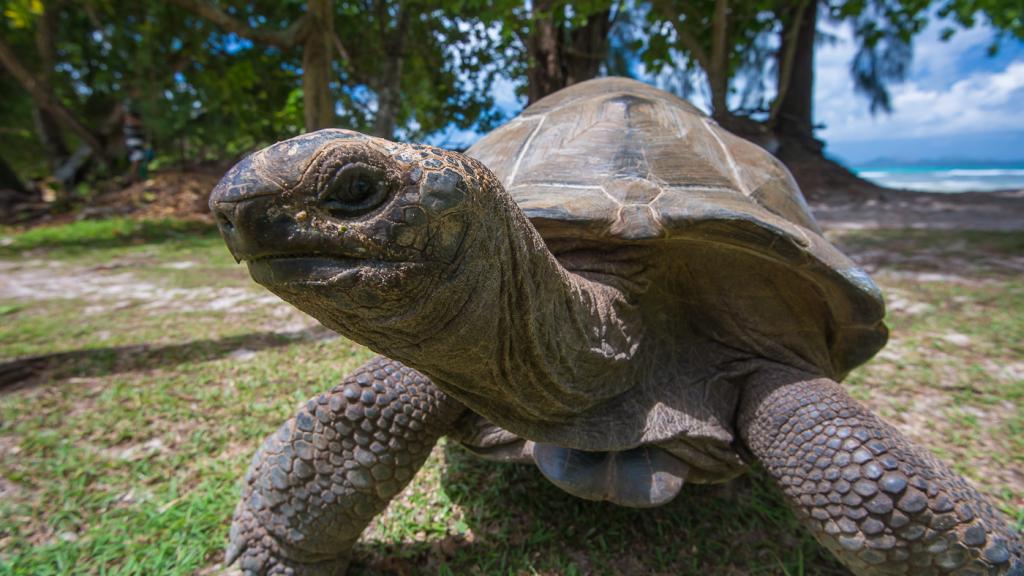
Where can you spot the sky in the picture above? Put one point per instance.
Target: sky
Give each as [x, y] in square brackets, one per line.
[957, 103]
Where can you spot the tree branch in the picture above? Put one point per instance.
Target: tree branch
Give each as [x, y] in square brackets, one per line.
[286, 38]
[342, 52]
[46, 100]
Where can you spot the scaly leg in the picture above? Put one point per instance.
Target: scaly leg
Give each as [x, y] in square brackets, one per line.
[880, 503]
[316, 483]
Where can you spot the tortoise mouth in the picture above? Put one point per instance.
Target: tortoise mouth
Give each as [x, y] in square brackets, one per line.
[304, 269]
[318, 269]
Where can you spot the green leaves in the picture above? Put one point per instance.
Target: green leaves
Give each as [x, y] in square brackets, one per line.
[429, 65]
[22, 13]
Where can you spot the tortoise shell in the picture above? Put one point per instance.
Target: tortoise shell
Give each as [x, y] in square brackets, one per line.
[616, 161]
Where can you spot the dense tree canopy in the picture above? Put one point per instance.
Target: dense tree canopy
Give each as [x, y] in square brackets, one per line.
[215, 78]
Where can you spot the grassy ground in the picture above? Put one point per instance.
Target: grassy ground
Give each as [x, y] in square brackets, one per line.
[150, 367]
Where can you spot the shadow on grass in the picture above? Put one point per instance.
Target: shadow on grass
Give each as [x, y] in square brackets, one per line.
[93, 362]
[522, 524]
[89, 235]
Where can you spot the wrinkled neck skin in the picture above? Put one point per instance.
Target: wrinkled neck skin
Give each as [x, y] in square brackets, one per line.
[491, 317]
[530, 340]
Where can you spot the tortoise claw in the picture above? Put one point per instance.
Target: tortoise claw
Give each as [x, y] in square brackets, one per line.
[258, 553]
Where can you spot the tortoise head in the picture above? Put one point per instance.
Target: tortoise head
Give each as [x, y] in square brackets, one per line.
[421, 255]
[354, 230]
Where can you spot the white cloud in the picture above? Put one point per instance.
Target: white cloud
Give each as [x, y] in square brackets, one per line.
[952, 89]
[940, 98]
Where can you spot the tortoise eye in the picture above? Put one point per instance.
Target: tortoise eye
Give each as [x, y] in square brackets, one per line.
[354, 190]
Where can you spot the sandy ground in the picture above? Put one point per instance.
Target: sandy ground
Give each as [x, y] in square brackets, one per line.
[994, 211]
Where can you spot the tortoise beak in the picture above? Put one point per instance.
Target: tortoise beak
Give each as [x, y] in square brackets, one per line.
[241, 205]
[243, 225]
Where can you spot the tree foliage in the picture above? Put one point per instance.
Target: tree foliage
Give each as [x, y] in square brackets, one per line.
[546, 45]
[720, 40]
[1007, 17]
[216, 78]
[425, 65]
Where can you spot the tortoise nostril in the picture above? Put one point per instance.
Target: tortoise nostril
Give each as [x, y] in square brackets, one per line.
[224, 222]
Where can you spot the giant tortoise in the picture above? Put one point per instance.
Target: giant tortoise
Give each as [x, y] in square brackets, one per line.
[609, 286]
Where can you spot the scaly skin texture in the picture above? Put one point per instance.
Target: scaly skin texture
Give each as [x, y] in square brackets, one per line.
[880, 503]
[316, 483]
[575, 339]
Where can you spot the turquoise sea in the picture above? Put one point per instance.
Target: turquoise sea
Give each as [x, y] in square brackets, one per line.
[945, 178]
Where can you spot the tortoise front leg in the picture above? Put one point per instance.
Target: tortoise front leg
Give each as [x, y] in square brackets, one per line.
[880, 503]
[316, 483]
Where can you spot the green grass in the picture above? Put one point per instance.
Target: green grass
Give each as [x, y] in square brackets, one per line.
[952, 375]
[86, 237]
[122, 450]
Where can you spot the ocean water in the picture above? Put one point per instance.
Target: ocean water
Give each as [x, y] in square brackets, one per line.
[945, 178]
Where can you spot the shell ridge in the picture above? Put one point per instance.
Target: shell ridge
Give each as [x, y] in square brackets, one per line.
[526, 147]
[560, 185]
[680, 131]
[656, 217]
[698, 188]
[612, 198]
[572, 101]
[728, 156]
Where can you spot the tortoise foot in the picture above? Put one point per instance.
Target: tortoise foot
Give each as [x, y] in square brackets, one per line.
[258, 552]
[317, 482]
[880, 503]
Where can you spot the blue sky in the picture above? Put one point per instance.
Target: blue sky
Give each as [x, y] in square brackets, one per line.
[958, 102]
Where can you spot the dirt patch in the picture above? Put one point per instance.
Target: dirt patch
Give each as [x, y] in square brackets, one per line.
[1014, 371]
[169, 193]
[9, 490]
[105, 291]
[928, 419]
[900, 303]
[140, 451]
[994, 211]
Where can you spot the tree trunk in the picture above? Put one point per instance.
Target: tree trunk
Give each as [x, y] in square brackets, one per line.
[49, 134]
[795, 120]
[9, 178]
[555, 65]
[48, 101]
[12, 194]
[389, 87]
[47, 129]
[318, 106]
[545, 73]
[589, 48]
[791, 17]
[718, 72]
[388, 96]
